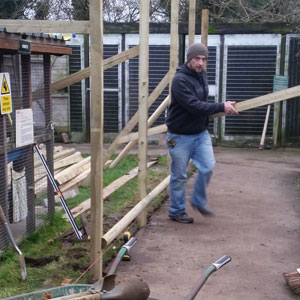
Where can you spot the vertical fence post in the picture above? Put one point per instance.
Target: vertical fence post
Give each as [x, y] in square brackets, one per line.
[143, 106]
[96, 23]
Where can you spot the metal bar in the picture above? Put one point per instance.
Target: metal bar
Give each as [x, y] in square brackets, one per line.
[59, 193]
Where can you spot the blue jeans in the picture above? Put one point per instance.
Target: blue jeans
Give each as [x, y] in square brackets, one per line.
[197, 147]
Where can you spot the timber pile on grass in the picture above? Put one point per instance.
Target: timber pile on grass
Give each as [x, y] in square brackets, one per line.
[71, 169]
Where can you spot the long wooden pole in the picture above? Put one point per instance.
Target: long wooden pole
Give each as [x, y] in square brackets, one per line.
[174, 47]
[240, 106]
[115, 231]
[204, 26]
[133, 121]
[162, 107]
[39, 26]
[263, 136]
[96, 135]
[265, 99]
[192, 21]
[143, 107]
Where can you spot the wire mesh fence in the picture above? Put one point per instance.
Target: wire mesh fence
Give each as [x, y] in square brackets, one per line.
[25, 194]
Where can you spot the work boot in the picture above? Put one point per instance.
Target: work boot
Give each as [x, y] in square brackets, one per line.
[205, 211]
[182, 218]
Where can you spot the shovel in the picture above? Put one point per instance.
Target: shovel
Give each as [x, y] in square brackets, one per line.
[11, 238]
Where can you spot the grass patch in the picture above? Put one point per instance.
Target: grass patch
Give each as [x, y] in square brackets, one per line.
[42, 243]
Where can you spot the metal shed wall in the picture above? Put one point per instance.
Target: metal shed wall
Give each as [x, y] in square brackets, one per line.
[292, 107]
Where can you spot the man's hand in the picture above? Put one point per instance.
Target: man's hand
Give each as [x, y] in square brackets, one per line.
[229, 108]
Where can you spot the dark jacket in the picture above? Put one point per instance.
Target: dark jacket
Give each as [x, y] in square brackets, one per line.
[189, 110]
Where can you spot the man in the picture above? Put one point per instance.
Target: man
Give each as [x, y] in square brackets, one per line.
[187, 137]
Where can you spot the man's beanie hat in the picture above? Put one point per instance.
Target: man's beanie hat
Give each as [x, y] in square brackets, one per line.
[196, 49]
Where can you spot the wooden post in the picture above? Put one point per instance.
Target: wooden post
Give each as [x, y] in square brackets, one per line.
[204, 26]
[3, 168]
[28, 156]
[192, 21]
[143, 107]
[174, 48]
[96, 135]
[48, 120]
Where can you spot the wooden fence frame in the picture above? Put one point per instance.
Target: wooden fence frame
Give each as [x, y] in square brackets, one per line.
[94, 27]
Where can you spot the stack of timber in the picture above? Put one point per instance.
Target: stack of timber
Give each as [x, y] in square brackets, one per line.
[70, 169]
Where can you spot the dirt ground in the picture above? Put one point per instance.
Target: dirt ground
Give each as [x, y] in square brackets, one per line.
[256, 197]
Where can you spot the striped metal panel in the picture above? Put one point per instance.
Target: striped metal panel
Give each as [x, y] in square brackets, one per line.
[211, 65]
[250, 72]
[76, 112]
[159, 56]
[211, 76]
[292, 129]
[111, 90]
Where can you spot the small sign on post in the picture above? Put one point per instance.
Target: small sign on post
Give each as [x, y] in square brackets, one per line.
[6, 104]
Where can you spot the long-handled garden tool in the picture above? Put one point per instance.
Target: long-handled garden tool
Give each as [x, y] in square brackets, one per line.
[59, 193]
[107, 289]
[211, 269]
[11, 238]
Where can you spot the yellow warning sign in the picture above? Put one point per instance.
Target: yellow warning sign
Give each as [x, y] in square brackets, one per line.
[4, 87]
[6, 104]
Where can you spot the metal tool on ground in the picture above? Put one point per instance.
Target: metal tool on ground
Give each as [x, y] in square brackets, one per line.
[124, 250]
[126, 238]
[211, 269]
[11, 238]
[59, 193]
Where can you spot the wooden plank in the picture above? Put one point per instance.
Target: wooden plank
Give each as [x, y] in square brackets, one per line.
[76, 180]
[192, 21]
[133, 121]
[39, 26]
[132, 143]
[67, 161]
[151, 131]
[72, 171]
[97, 120]
[57, 155]
[265, 100]
[108, 190]
[85, 73]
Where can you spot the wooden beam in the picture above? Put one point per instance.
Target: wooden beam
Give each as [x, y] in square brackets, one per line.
[143, 105]
[192, 21]
[151, 131]
[39, 26]
[204, 26]
[97, 120]
[132, 143]
[74, 170]
[174, 47]
[133, 121]
[85, 73]
[115, 231]
[108, 190]
[265, 100]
